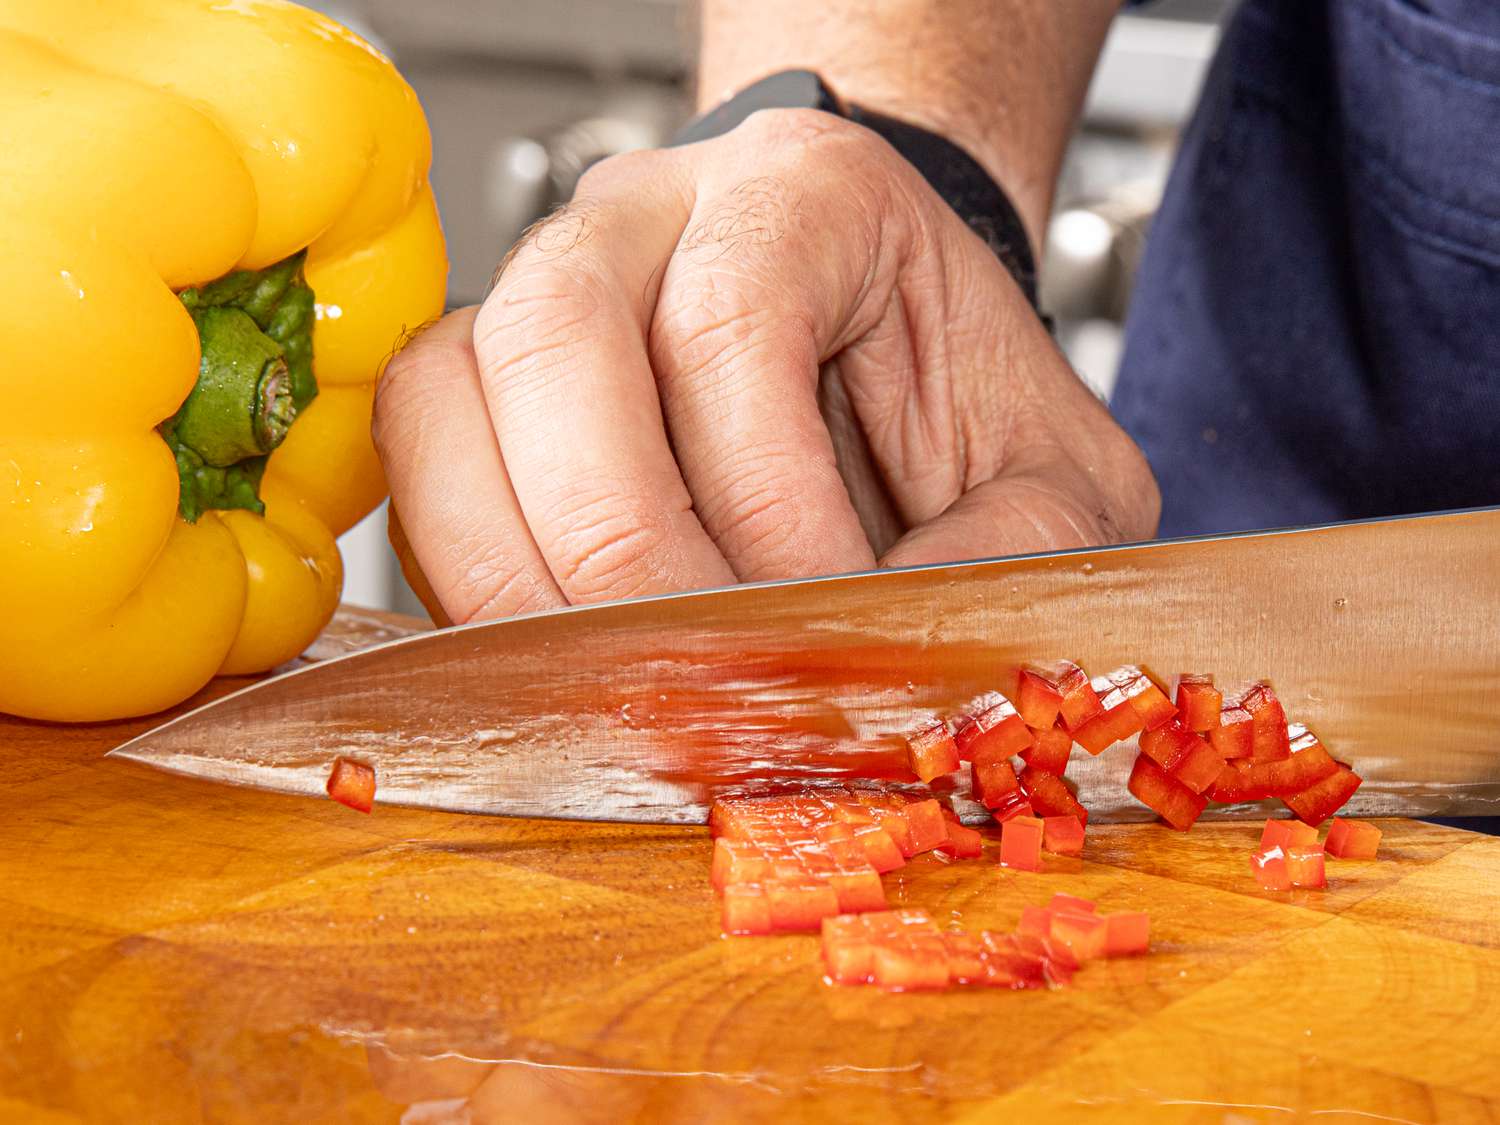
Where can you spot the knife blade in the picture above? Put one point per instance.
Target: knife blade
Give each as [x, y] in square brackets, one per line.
[1383, 636]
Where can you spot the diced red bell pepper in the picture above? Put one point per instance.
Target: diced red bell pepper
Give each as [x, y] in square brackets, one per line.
[1304, 865]
[1269, 742]
[1050, 795]
[1270, 870]
[1317, 803]
[1126, 933]
[965, 955]
[1284, 833]
[1035, 961]
[1066, 903]
[1151, 702]
[746, 910]
[1198, 701]
[1038, 699]
[896, 826]
[994, 784]
[737, 861]
[898, 950]
[1234, 737]
[928, 828]
[1308, 764]
[962, 843]
[857, 889]
[1062, 835]
[1185, 755]
[932, 751]
[1167, 744]
[800, 904]
[1083, 934]
[1035, 920]
[1200, 767]
[1117, 722]
[882, 852]
[1021, 843]
[1353, 839]
[1173, 801]
[1079, 702]
[993, 732]
[1239, 780]
[1049, 750]
[352, 783]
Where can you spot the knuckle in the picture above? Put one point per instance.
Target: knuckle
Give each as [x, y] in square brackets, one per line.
[619, 170]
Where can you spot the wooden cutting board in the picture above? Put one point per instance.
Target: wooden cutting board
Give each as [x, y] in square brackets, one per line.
[172, 950]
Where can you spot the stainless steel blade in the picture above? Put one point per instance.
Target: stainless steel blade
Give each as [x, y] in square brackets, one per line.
[1383, 636]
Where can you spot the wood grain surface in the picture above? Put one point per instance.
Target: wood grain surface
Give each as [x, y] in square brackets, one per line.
[172, 950]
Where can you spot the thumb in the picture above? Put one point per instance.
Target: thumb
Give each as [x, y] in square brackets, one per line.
[1015, 514]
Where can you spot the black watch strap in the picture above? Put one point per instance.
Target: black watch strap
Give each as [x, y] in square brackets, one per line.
[952, 172]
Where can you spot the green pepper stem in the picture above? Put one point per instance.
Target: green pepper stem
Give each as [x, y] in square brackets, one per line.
[255, 375]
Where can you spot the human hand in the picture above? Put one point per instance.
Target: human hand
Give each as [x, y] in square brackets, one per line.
[774, 354]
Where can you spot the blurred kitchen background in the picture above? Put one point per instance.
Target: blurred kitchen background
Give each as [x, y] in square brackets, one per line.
[523, 95]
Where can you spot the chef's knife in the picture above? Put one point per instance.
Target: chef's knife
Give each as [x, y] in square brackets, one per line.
[1382, 636]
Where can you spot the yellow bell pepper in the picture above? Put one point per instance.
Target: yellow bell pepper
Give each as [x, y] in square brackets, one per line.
[188, 190]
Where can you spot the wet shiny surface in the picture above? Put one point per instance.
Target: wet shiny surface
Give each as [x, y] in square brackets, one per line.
[174, 950]
[1380, 636]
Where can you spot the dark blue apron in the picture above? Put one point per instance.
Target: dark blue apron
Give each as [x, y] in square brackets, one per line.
[1316, 331]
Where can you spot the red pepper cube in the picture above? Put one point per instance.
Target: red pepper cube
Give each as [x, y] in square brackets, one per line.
[1150, 702]
[1234, 737]
[1021, 843]
[800, 904]
[895, 824]
[1035, 920]
[1050, 796]
[993, 732]
[1304, 865]
[994, 784]
[1049, 750]
[1308, 764]
[1240, 780]
[1119, 719]
[1071, 904]
[848, 949]
[879, 848]
[1173, 801]
[1353, 839]
[1023, 961]
[932, 752]
[1038, 698]
[1077, 700]
[1083, 934]
[1018, 805]
[965, 956]
[1270, 870]
[912, 962]
[745, 910]
[1126, 933]
[857, 889]
[1166, 744]
[1269, 741]
[1198, 701]
[928, 828]
[1200, 766]
[1316, 804]
[737, 861]
[1284, 833]
[352, 783]
[1062, 835]
[962, 843]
